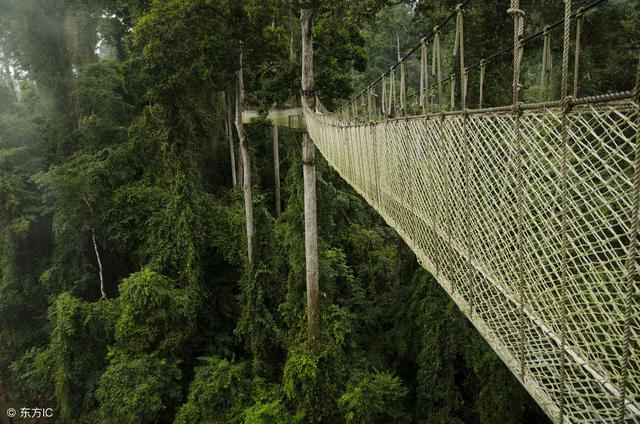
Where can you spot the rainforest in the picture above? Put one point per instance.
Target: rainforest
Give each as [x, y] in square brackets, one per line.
[154, 246]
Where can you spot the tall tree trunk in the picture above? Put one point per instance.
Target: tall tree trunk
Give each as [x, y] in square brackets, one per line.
[276, 169]
[309, 171]
[246, 158]
[229, 125]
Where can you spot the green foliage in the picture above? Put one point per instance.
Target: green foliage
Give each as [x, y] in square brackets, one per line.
[78, 352]
[179, 51]
[374, 398]
[219, 393]
[154, 317]
[273, 412]
[269, 406]
[311, 381]
[139, 389]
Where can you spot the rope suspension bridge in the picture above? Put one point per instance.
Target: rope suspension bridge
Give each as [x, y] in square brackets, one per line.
[526, 214]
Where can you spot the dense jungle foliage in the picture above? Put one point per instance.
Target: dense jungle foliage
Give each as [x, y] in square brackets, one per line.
[115, 167]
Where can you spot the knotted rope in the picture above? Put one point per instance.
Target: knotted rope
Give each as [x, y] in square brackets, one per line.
[403, 88]
[453, 92]
[384, 96]
[369, 104]
[518, 47]
[372, 102]
[564, 186]
[576, 63]
[483, 64]
[458, 50]
[436, 69]
[424, 76]
[546, 60]
[392, 92]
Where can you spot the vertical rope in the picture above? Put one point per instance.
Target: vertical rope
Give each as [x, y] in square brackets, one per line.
[384, 97]
[518, 51]
[576, 63]
[564, 185]
[546, 61]
[483, 64]
[518, 47]
[465, 80]
[424, 77]
[453, 92]
[632, 257]
[369, 103]
[403, 88]
[374, 105]
[458, 50]
[392, 93]
[436, 64]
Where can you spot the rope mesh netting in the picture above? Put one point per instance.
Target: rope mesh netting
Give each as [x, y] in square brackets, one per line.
[527, 214]
[535, 239]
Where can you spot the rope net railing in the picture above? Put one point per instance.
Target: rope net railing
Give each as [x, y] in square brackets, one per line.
[527, 215]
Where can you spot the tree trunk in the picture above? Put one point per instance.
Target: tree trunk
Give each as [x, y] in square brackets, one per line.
[276, 169]
[229, 125]
[309, 171]
[246, 158]
[95, 248]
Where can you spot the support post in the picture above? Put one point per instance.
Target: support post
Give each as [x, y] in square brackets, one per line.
[309, 169]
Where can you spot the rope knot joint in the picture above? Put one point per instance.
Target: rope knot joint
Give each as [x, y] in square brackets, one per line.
[515, 12]
[517, 109]
[566, 103]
